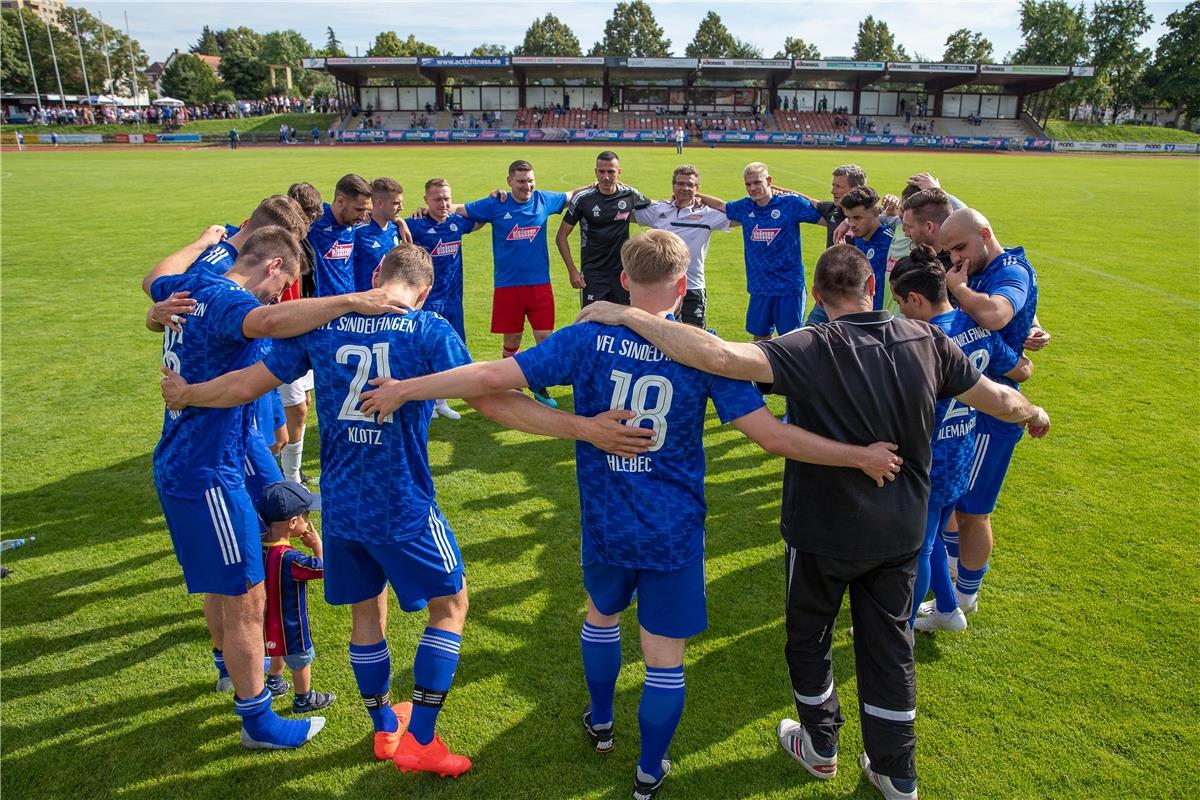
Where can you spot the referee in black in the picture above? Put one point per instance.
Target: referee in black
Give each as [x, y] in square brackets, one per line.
[864, 377]
[604, 213]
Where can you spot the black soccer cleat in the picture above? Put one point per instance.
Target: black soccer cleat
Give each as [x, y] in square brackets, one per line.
[648, 790]
[602, 738]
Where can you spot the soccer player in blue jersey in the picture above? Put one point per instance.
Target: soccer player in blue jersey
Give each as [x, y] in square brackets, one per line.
[440, 234]
[199, 461]
[383, 230]
[871, 235]
[643, 517]
[770, 223]
[332, 236]
[919, 284]
[998, 288]
[380, 517]
[520, 257]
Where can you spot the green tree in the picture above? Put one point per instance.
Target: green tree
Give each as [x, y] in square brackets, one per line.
[1114, 29]
[876, 42]
[487, 49]
[190, 80]
[743, 49]
[712, 39]
[549, 36]
[389, 44]
[67, 51]
[290, 48]
[207, 44]
[333, 47]
[242, 41]
[14, 71]
[965, 47]
[795, 47]
[1175, 76]
[633, 31]
[244, 74]
[1055, 34]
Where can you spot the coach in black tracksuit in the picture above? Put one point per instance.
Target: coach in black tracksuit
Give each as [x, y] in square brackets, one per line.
[864, 377]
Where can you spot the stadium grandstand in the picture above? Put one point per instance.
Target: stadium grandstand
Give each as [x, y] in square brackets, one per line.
[714, 99]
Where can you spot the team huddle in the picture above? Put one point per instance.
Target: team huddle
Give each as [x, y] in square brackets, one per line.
[363, 307]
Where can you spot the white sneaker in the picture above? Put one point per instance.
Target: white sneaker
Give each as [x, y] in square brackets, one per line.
[927, 608]
[442, 409]
[953, 621]
[967, 603]
[224, 684]
[796, 742]
[883, 783]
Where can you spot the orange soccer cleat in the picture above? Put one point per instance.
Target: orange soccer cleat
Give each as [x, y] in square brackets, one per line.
[412, 756]
[385, 743]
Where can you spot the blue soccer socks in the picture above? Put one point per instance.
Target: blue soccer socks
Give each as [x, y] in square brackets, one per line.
[262, 728]
[433, 672]
[658, 715]
[969, 580]
[372, 665]
[601, 665]
[219, 663]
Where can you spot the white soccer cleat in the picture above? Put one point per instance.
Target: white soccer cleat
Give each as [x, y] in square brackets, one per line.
[952, 621]
[968, 603]
[927, 608]
[224, 684]
[443, 409]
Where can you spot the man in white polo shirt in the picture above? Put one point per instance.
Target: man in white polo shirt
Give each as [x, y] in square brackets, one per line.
[690, 220]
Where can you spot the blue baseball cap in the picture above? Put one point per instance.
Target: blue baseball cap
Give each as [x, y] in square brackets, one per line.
[286, 499]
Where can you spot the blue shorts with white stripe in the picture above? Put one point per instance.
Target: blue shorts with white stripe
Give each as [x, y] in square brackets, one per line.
[216, 538]
[419, 569]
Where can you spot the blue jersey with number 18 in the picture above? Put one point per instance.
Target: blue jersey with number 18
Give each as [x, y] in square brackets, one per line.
[645, 512]
[376, 486]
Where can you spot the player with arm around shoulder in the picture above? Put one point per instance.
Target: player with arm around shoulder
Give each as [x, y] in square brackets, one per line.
[401, 540]
[643, 517]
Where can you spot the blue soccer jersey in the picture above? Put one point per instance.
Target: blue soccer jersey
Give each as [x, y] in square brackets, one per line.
[217, 259]
[1011, 276]
[201, 447]
[519, 235]
[376, 486]
[876, 250]
[371, 244]
[443, 241]
[645, 512]
[954, 437]
[333, 244]
[771, 235]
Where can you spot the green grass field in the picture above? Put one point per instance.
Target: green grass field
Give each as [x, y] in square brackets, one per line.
[1076, 680]
[1086, 132]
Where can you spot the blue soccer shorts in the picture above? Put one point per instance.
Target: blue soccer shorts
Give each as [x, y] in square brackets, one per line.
[765, 314]
[670, 603]
[817, 316]
[418, 570]
[216, 538]
[992, 456]
[261, 467]
[452, 313]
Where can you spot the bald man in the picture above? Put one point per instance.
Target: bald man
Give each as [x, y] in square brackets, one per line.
[998, 288]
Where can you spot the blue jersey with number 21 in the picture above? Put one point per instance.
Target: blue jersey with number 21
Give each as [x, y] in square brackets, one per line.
[645, 512]
[376, 486]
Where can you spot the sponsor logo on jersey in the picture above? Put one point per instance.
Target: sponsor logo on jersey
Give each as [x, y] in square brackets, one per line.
[519, 233]
[595, 211]
[507, 215]
[764, 234]
[339, 250]
[445, 249]
[621, 215]
[375, 245]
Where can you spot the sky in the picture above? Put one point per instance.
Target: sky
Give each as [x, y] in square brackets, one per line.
[458, 26]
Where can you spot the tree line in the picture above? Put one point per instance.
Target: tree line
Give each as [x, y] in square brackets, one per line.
[1054, 33]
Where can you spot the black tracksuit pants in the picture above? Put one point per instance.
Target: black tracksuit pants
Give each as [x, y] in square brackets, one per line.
[880, 606]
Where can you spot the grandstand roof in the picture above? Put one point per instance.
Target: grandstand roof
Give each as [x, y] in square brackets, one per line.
[1019, 78]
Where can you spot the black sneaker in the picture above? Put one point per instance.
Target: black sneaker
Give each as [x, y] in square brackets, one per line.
[278, 685]
[313, 701]
[647, 790]
[602, 738]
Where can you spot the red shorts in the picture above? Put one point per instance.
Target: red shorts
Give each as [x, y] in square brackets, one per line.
[511, 305]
